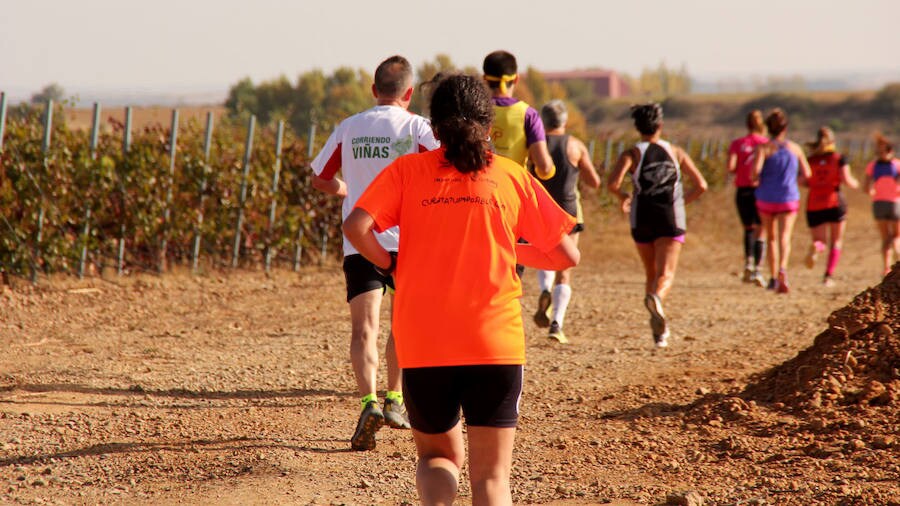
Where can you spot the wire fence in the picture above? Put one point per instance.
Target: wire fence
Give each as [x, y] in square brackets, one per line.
[197, 194]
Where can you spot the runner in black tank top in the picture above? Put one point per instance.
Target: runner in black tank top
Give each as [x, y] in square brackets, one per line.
[656, 208]
[571, 158]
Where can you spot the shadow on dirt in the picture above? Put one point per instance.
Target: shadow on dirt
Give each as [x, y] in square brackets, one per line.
[231, 444]
[180, 393]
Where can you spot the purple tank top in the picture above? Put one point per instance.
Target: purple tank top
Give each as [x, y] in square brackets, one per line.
[778, 178]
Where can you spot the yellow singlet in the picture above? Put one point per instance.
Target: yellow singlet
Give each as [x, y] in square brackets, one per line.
[508, 132]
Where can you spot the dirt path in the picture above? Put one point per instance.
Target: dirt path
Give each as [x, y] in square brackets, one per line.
[236, 388]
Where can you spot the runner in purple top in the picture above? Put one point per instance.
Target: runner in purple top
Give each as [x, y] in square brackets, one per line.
[777, 196]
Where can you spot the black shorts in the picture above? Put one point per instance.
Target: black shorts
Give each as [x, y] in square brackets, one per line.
[579, 227]
[886, 210]
[487, 394]
[745, 200]
[362, 277]
[823, 216]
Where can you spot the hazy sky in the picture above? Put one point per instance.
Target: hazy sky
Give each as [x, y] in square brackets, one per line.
[165, 45]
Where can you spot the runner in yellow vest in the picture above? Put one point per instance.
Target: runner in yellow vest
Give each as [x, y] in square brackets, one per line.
[517, 132]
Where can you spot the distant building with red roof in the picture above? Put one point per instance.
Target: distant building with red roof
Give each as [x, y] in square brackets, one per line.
[606, 83]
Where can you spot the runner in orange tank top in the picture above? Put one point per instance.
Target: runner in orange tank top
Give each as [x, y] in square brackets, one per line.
[826, 210]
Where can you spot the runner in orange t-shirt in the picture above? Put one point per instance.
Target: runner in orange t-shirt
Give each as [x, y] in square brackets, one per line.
[457, 316]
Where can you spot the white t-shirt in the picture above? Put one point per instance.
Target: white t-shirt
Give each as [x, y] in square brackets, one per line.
[363, 145]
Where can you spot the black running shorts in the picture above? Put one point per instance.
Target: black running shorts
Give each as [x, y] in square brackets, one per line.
[487, 394]
[745, 200]
[362, 277]
[886, 210]
[823, 216]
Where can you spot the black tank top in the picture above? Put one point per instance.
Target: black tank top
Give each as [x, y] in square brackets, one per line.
[562, 185]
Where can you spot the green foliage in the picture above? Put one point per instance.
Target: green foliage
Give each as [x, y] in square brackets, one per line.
[886, 103]
[662, 81]
[52, 91]
[126, 193]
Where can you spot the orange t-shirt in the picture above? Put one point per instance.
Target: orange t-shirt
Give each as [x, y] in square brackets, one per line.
[457, 300]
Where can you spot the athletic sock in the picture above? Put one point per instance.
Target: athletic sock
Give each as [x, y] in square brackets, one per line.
[833, 256]
[393, 395]
[561, 296]
[368, 398]
[545, 280]
[819, 246]
[759, 248]
[748, 243]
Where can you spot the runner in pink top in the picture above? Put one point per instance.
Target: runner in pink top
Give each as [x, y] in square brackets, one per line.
[741, 158]
[883, 184]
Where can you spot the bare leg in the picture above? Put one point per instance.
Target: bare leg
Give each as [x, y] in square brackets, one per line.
[440, 458]
[490, 462]
[894, 231]
[365, 310]
[667, 251]
[393, 370]
[768, 226]
[785, 231]
[887, 242]
[648, 258]
[819, 237]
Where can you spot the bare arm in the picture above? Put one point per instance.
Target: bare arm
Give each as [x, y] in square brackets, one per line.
[540, 157]
[614, 182]
[847, 177]
[563, 256]
[732, 163]
[333, 186]
[699, 182]
[576, 150]
[869, 185]
[805, 170]
[359, 229]
[759, 157]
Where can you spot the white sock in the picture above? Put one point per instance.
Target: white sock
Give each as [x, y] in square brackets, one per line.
[545, 279]
[562, 294]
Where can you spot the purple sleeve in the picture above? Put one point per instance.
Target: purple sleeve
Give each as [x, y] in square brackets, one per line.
[534, 127]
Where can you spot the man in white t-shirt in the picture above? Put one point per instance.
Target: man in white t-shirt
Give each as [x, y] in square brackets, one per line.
[360, 147]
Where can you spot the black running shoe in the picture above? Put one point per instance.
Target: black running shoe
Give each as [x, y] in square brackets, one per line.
[542, 316]
[370, 420]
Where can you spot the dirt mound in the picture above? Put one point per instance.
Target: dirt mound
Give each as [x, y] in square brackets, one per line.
[854, 363]
[850, 375]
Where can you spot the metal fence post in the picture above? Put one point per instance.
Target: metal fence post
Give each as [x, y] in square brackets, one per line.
[324, 243]
[95, 135]
[2, 117]
[298, 252]
[607, 152]
[45, 151]
[312, 141]
[126, 147]
[591, 148]
[207, 144]
[248, 148]
[167, 210]
[279, 136]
